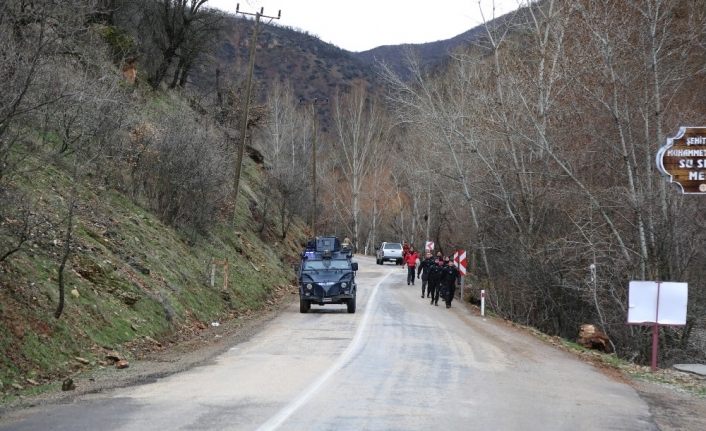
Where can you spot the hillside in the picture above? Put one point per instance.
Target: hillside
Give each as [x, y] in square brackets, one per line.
[116, 205]
[131, 281]
[433, 55]
[314, 68]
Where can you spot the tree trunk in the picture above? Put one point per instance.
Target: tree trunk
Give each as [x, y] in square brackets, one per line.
[67, 250]
[161, 71]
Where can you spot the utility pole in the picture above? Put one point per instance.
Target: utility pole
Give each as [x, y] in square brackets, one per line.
[244, 121]
[314, 127]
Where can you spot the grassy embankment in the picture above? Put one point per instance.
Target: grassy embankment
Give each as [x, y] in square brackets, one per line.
[129, 277]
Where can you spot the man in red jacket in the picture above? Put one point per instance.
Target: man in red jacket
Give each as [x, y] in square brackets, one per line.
[411, 260]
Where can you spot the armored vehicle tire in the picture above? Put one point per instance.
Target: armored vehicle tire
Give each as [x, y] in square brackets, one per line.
[304, 305]
[351, 305]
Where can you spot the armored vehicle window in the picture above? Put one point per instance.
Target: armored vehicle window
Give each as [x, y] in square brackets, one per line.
[315, 265]
[340, 264]
[327, 243]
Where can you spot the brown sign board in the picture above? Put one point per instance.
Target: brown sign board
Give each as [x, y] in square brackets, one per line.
[683, 159]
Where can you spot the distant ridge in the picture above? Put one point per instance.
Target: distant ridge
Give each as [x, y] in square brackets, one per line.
[316, 68]
[430, 54]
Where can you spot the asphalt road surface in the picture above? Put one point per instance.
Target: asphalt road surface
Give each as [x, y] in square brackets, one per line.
[397, 364]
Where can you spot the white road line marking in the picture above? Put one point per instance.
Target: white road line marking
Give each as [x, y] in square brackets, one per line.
[278, 419]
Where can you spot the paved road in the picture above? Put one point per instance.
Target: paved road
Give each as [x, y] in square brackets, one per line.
[397, 364]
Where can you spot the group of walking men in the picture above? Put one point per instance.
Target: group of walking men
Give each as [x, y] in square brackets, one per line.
[438, 275]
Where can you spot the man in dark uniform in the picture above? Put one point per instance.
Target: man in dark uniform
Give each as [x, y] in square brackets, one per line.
[423, 269]
[449, 275]
[435, 271]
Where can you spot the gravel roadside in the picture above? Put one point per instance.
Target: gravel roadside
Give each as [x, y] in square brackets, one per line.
[673, 409]
[676, 399]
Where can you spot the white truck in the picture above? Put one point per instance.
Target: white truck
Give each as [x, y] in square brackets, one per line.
[389, 251]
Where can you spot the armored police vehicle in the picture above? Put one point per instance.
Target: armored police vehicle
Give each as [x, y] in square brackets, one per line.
[327, 275]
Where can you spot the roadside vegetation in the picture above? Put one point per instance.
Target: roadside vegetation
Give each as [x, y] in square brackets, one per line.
[115, 190]
[534, 149]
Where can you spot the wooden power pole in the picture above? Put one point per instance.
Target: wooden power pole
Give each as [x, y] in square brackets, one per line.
[248, 89]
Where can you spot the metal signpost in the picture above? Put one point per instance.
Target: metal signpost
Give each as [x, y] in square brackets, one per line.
[657, 304]
[683, 160]
[461, 263]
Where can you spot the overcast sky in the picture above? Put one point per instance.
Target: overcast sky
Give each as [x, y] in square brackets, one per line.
[359, 25]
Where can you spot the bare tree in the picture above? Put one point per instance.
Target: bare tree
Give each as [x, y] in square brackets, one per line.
[91, 114]
[59, 81]
[176, 31]
[29, 37]
[379, 197]
[198, 47]
[441, 115]
[15, 222]
[360, 132]
[285, 146]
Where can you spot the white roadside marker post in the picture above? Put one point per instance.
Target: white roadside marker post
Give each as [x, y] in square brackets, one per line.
[482, 303]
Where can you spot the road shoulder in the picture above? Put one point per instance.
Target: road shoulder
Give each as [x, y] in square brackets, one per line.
[676, 399]
[185, 350]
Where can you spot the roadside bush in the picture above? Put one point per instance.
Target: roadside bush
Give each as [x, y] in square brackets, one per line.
[183, 171]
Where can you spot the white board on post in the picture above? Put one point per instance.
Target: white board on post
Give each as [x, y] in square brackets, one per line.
[663, 303]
